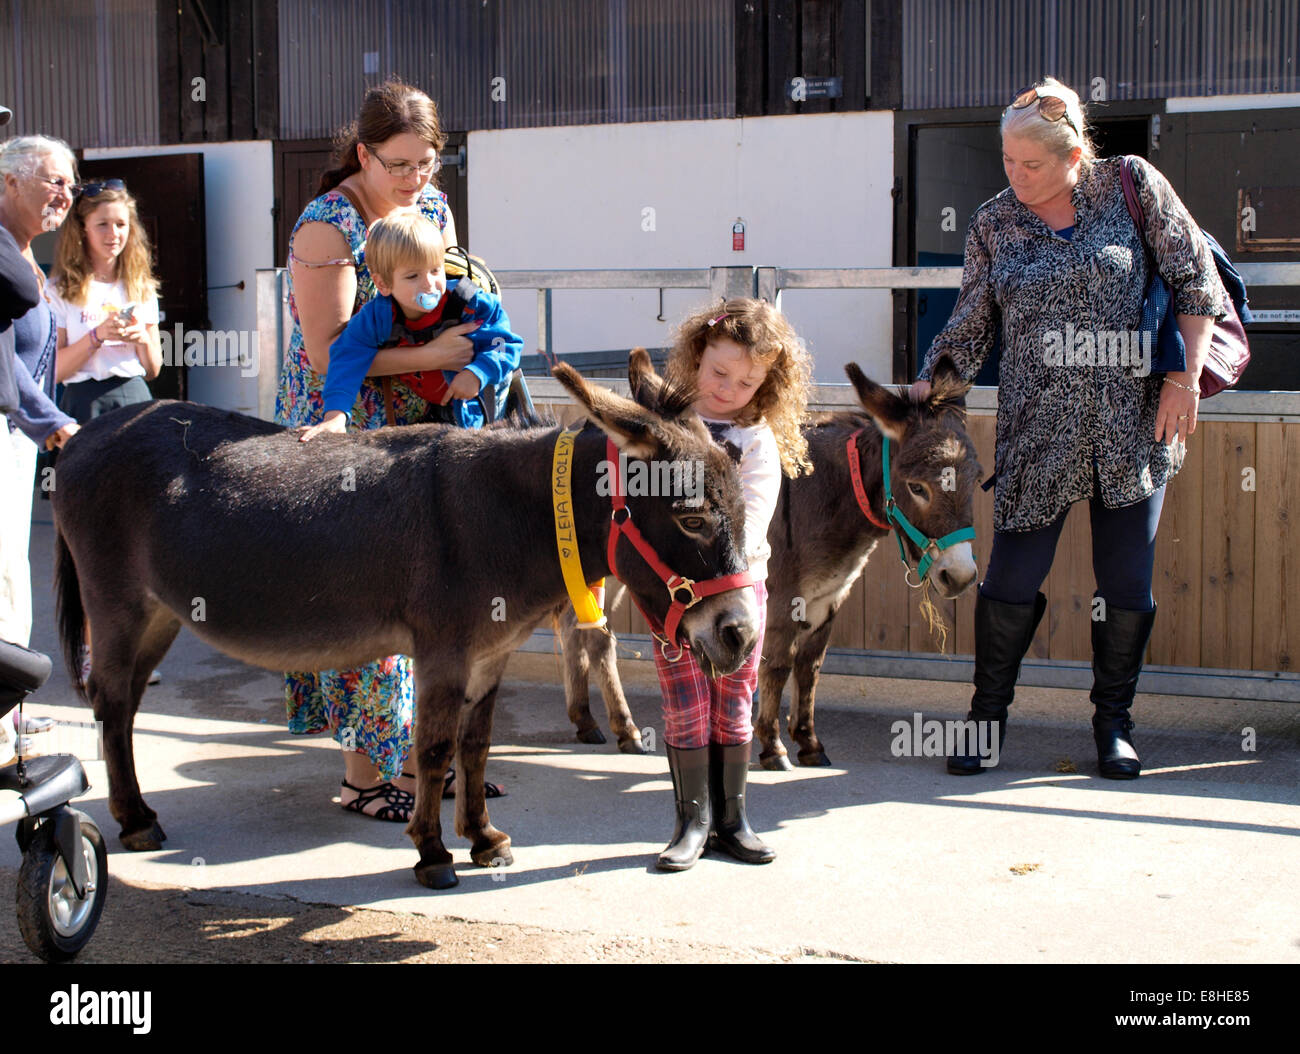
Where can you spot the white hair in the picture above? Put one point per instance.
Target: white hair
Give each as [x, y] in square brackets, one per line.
[1058, 137]
[20, 156]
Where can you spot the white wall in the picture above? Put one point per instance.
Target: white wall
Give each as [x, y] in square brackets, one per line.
[813, 191]
[239, 193]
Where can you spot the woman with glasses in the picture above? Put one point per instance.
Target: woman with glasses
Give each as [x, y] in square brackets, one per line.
[385, 162]
[39, 175]
[1056, 267]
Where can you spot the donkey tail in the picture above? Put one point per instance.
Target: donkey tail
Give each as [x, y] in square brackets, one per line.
[71, 615]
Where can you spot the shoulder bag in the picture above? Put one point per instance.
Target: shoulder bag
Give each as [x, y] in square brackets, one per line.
[1229, 349]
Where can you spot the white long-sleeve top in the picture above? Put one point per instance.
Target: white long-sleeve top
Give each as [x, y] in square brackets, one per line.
[760, 475]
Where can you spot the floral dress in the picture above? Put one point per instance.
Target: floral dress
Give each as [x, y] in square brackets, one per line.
[368, 708]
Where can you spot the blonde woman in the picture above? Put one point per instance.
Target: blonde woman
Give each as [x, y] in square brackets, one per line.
[105, 301]
[104, 298]
[1053, 258]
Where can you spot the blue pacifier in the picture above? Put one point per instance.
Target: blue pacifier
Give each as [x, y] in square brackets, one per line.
[428, 301]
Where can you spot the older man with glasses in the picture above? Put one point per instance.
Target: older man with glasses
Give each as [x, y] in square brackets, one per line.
[38, 176]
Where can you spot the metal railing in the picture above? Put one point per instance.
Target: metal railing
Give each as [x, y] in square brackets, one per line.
[769, 282]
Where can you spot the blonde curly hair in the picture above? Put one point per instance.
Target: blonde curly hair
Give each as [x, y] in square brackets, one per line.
[782, 399]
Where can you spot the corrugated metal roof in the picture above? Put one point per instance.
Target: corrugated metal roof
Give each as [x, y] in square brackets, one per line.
[82, 70]
[509, 63]
[980, 52]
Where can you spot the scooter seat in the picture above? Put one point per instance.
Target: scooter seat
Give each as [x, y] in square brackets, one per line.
[22, 669]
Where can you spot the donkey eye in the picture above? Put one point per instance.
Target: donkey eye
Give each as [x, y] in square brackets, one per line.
[918, 491]
[697, 525]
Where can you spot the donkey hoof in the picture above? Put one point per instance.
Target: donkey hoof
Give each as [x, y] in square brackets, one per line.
[814, 759]
[591, 735]
[632, 745]
[436, 876]
[776, 763]
[493, 854]
[152, 837]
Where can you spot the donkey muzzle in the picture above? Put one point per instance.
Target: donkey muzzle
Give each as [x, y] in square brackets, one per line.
[953, 571]
[722, 630]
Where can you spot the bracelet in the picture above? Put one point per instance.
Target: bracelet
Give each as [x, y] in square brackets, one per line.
[94, 336]
[1176, 384]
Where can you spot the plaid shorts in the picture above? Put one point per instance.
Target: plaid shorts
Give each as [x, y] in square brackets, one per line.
[698, 711]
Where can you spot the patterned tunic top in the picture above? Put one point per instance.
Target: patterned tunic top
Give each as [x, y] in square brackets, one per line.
[1068, 395]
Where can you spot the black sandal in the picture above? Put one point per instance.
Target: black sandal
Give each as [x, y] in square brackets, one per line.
[400, 804]
[490, 790]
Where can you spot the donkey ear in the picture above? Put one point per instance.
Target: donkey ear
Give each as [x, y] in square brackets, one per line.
[888, 410]
[646, 384]
[629, 425]
[947, 387]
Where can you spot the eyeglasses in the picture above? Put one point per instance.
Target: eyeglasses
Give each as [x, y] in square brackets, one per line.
[61, 185]
[1052, 107]
[93, 190]
[403, 169]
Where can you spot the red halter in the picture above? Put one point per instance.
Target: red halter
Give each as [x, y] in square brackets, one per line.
[685, 592]
[859, 491]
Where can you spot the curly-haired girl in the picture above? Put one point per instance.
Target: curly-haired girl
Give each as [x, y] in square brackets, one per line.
[751, 374]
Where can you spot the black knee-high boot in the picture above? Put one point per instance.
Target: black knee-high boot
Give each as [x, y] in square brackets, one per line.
[690, 772]
[1003, 633]
[1118, 645]
[728, 775]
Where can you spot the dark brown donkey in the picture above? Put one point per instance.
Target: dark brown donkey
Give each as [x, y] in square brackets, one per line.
[821, 541]
[399, 541]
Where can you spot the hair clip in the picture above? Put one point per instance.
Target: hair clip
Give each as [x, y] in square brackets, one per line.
[715, 321]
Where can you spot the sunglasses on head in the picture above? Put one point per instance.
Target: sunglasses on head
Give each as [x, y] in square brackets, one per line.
[1052, 107]
[93, 190]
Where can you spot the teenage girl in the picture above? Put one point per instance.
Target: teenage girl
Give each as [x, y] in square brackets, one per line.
[104, 297]
[751, 374]
[105, 302]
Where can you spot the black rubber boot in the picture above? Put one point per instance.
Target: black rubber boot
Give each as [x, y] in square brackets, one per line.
[1003, 633]
[1118, 645]
[728, 773]
[690, 772]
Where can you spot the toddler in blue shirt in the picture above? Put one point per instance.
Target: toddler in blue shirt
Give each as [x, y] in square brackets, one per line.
[415, 304]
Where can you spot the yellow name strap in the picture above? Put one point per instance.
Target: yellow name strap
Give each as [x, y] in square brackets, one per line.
[585, 602]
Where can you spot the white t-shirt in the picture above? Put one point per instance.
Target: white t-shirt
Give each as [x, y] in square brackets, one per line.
[115, 358]
[760, 475]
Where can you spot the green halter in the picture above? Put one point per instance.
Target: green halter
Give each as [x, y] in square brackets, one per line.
[929, 547]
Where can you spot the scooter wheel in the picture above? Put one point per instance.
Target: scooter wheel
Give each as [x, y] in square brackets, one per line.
[55, 922]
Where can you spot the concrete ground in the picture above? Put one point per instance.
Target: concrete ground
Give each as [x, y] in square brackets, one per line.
[880, 858]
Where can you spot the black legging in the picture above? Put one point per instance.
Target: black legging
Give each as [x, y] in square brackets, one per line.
[1123, 555]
